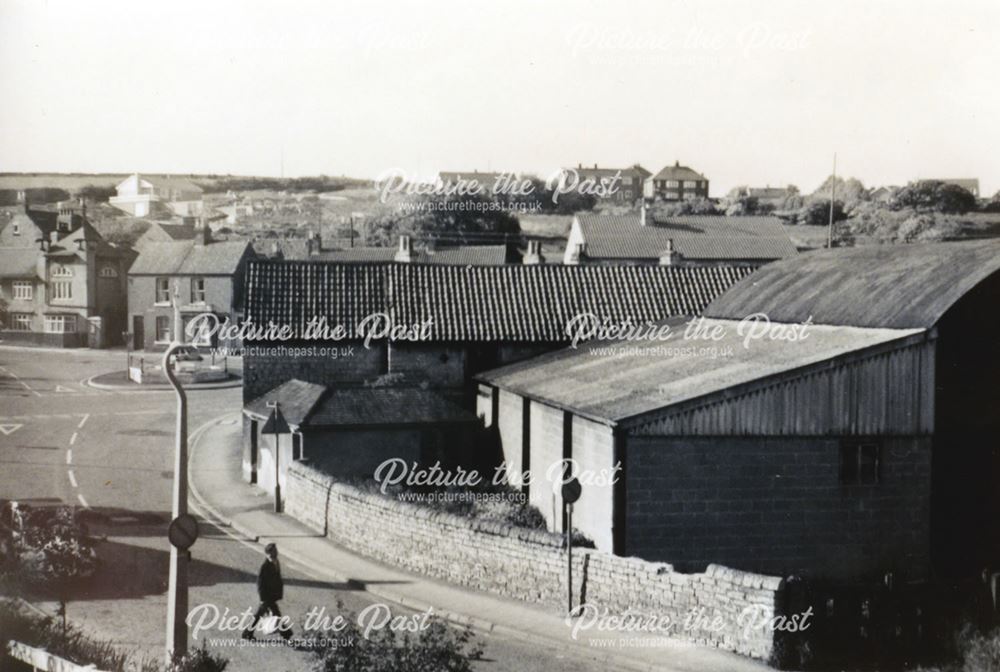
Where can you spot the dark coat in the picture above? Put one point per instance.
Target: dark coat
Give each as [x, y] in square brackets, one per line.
[270, 587]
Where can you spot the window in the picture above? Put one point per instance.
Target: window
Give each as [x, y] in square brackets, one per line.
[20, 322]
[162, 329]
[859, 463]
[60, 271]
[628, 193]
[197, 290]
[690, 184]
[627, 180]
[108, 272]
[673, 184]
[16, 229]
[60, 324]
[23, 291]
[62, 290]
[163, 290]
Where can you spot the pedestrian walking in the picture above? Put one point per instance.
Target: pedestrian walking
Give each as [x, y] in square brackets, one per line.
[270, 589]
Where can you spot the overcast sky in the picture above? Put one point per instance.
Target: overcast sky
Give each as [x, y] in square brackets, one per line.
[747, 92]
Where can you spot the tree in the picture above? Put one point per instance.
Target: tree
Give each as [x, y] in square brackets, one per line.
[694, 206]
[97, 193]
[52, 550]
[936, 196]
[817, 213]
[449, 220]
[849, 191]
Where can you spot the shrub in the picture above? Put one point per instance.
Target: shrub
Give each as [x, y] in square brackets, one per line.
[199, 660]
[437, 648]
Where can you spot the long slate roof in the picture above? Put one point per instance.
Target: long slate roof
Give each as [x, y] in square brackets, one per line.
[187, 257]
[305, 404]
[597, 382]
[478, 303]
[897, 286]
[705, 237]
[297, 249]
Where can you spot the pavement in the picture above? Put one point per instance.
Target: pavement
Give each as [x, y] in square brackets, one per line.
[244, 511]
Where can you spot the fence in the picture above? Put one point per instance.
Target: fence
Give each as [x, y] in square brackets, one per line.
[40, 659]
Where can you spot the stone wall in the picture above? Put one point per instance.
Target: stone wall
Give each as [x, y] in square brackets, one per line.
[530, 565]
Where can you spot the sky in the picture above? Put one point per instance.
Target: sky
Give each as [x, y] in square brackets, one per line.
[744, 91]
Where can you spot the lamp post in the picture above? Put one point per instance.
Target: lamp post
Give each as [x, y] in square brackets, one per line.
[275, 419]
[177, 596]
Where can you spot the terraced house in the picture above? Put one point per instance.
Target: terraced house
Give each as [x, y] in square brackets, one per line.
[202, 275]
[62, 283]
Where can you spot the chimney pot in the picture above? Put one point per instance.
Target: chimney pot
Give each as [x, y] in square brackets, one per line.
[405, 252]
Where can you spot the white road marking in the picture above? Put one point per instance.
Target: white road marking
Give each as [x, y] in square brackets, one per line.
[15, 377]
[72, 439]
[71, 415]
[60, 388]
[83, 501]
[69, 456]
[7, 430]
[83, 422]
[72, 479]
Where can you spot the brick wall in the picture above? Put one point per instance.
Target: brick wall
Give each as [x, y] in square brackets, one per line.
[776, 505]
[530, 565]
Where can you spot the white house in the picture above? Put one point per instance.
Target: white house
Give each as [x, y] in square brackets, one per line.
[139, 194]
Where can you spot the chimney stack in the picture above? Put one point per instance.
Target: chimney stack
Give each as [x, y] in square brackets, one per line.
[575, 254]
[314, 244]
[670, 256]
[642, 213]
[534, 253]
[405, 252]
[202, 233]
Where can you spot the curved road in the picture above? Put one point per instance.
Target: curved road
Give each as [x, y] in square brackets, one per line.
[111, 454]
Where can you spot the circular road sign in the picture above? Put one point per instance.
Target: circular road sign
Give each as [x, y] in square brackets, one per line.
[183, 531]
[571, 490]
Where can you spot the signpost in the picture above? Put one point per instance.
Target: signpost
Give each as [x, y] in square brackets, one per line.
[571, 491]
[276, 425]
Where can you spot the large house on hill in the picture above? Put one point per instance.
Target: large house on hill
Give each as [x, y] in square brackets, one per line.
[141, 195]
[694, 240]
[676, 183]
[63, 284]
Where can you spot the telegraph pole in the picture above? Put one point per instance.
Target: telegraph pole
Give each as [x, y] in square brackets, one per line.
[833, 193]
[177, 596]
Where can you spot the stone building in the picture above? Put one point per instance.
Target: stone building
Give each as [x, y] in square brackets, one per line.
[63, 284]
[866, 445]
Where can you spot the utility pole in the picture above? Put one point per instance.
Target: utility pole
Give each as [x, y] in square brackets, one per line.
[833, 193]
[177, 596]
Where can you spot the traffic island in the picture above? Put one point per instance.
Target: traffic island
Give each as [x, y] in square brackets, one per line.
[155, 380]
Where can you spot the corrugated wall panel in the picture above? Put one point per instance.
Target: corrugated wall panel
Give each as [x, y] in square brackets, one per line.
[886, 393]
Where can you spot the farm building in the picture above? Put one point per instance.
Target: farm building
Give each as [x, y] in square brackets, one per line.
[456, 321]
[870, 443]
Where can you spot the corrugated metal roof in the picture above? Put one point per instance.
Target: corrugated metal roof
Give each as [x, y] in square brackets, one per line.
[478, 303]
[895, 286]
[608, 382]
[187, 257]
[694, 237]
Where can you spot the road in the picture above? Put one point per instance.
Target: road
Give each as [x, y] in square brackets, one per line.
[110, 453]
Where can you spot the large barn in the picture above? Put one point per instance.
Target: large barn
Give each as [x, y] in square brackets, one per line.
[870, 445]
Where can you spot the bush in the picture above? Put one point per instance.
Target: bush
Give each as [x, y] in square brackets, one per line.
[936, 196]
[437, 648]
[199, 660]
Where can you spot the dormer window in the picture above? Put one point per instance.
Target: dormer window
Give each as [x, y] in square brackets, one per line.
[108, 272]
[60, 271]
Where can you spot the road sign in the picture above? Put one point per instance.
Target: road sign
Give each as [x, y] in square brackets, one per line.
[10, 429]
[183, 531]
[571, 491]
